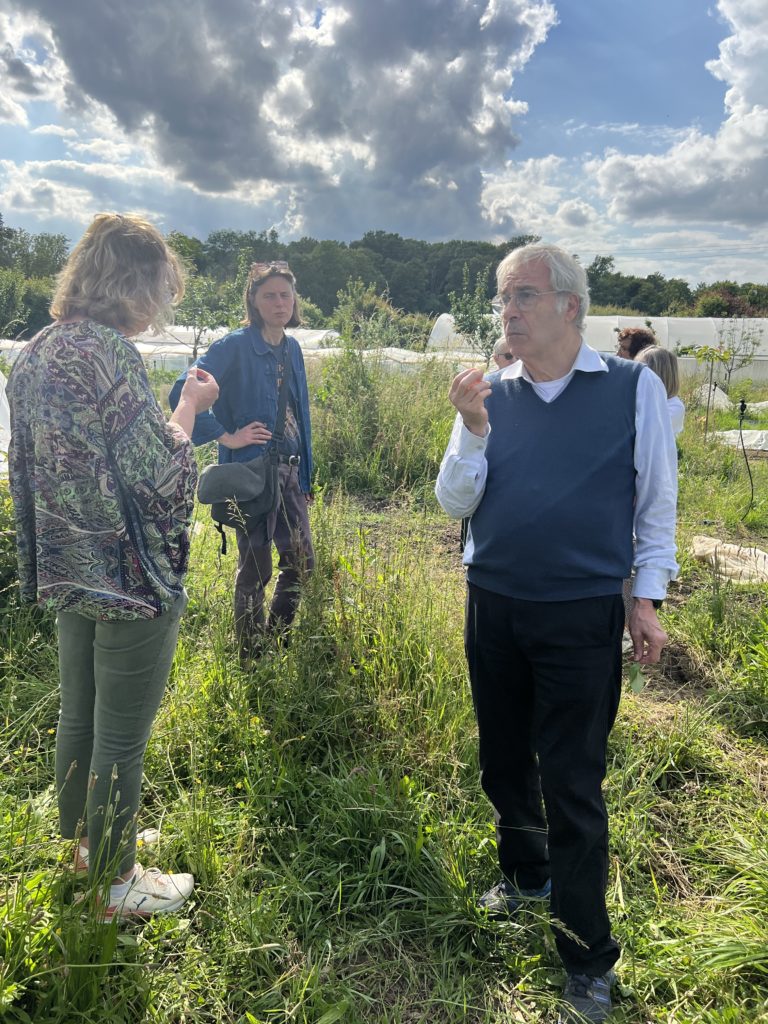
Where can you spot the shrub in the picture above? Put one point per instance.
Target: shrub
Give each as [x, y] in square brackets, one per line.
[7, 543]
[37, 300]
[12, 285]
[377, 430]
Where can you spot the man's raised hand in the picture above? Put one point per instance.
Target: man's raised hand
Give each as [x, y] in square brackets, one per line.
[468, 393]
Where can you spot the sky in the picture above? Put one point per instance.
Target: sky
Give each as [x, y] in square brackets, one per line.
[637, 130]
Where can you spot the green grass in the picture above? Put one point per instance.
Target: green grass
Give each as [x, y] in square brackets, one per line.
[329, 805]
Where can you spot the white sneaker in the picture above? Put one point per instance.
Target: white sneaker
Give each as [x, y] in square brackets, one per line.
[151, 892]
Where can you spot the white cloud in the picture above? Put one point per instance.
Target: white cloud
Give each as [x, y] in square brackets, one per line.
[106, 149]
[526, 194]
[575, 213]
[29, 62]
[331, 118]
[54, 129]
[12, 112]
[719, 178]
[630, 130]
[332, 103]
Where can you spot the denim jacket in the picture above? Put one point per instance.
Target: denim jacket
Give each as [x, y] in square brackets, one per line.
[245, 368]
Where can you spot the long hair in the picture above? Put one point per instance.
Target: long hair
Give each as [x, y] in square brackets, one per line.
[257, 275]
[122, 274]
[565, 274]
[664, 365]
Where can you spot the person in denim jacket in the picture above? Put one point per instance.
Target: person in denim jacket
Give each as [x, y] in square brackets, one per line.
[248, 365]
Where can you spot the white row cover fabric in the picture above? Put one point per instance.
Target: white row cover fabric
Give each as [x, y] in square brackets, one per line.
[736, 562]
[754, 440]
[174, 349]
[671, 332]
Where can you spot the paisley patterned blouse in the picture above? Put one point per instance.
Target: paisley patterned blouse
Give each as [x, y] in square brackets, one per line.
[102, 486]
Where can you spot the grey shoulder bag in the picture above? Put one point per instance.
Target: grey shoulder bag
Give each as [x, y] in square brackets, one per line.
[244, 494]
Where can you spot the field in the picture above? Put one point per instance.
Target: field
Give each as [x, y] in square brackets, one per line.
[328, 801]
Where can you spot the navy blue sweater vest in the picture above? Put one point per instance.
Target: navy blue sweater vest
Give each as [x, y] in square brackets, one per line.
[555, 522]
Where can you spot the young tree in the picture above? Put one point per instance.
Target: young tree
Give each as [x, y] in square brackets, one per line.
[738, 344]
[38, 292]
[472, 316]
[205, 307]
[12, 309]
[190, 249]
[312, 317]
[47, 255]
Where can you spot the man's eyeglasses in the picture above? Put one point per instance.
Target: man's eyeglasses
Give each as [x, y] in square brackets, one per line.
[507, 355]
[523, 298]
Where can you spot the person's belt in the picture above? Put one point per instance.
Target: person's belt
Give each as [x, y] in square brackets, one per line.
[289, 460]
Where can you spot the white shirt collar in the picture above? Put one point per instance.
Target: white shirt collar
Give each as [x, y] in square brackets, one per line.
[587, 359]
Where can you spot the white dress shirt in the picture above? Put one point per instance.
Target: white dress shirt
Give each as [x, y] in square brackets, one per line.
[461, 481]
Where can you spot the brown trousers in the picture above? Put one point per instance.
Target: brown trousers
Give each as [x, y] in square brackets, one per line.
[288, 529]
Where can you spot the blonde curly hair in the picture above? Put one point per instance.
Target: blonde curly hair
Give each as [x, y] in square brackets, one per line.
[121, 273]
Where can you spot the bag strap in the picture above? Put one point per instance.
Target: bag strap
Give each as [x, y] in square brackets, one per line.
[220, 528]
[282, 397]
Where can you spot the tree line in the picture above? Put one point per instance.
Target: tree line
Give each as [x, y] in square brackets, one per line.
[386, 274]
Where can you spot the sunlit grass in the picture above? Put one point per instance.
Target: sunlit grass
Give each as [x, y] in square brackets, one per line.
[328, 801]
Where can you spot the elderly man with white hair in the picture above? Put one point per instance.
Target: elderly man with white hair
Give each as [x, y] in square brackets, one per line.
[558, 459]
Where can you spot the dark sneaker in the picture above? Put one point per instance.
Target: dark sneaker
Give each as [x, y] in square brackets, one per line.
[587, 999]
[505, 899]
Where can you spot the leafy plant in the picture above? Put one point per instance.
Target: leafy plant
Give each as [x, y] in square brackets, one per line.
[471, 317]
[205, 307]
[7, 544]
[738, 343]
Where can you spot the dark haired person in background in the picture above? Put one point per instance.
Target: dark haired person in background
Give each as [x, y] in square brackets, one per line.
[633, 340]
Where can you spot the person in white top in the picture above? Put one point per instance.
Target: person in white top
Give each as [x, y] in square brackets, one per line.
[664, 365]
[558, 459]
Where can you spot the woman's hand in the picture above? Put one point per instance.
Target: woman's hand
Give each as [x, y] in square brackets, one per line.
[199, 393]
[200, 389]
[251, 433]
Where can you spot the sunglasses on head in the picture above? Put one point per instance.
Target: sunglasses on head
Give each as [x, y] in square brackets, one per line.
[259, 269]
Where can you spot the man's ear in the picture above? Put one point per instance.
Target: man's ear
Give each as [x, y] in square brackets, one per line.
[572, 308]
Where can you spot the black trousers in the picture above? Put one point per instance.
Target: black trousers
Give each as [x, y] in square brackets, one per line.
[546, 682]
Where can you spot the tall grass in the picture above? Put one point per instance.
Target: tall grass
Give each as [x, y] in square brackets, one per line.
[379, 431]
[328, 800]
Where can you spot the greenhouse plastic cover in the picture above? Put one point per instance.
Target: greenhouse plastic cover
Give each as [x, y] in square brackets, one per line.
[671, 331]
